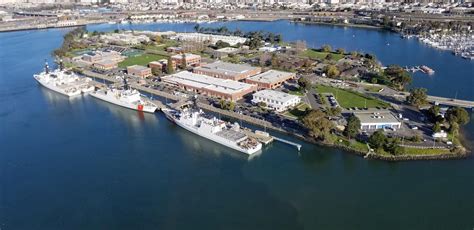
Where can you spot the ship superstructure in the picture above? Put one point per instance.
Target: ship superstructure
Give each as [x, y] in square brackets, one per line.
[64, 82]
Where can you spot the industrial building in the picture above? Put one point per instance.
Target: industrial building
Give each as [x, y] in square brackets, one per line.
[227, 70]
[138, 70]
[191, 59]
[210, 86]
[276, 100]
[271, 79]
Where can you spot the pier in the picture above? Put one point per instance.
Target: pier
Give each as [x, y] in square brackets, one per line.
[298, 146]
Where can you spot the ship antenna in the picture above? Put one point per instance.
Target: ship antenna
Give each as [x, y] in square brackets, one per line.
[125, 83]
[61, 64]
[46, 67]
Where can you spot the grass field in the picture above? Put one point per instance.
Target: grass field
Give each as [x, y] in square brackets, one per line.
[311, 53]
[415, 151]
[143, 60]
[349, 99]
[297, 112]
[373, 89]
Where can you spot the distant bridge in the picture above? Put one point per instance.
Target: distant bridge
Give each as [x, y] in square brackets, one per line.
[451, 102]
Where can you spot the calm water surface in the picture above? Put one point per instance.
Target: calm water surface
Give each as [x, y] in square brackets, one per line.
[86, 164]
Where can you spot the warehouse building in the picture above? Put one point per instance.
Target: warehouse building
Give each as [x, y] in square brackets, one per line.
[271, 79]
[190, 59]
[210, 86]
[138, 70]
[276, 100]
[227, 70]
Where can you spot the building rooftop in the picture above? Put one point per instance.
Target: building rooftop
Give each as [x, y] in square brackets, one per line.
[271, 76]
[226, 68]
[275, 95]
[137, 67]
[227, 50]
[187, 55]
[376, 117]
[205, 82]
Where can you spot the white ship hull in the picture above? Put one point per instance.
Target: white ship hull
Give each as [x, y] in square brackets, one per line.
[57, 89]
[113, 100]
[215, 138]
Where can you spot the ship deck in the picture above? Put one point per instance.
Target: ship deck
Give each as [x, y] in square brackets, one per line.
[232, 135]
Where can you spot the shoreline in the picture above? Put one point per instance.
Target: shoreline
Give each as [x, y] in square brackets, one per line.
[342, 25]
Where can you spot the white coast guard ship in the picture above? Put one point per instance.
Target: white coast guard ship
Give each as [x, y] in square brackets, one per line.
[64, 82]
[126, 97]
[214, 129]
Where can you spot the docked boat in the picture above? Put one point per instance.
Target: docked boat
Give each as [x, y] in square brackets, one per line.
[214, 129]
[126, 97]
[64, 82]
[426, 69]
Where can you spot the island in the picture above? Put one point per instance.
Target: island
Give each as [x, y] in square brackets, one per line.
[323, 95]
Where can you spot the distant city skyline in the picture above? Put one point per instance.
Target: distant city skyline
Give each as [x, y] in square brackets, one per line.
[180, 2]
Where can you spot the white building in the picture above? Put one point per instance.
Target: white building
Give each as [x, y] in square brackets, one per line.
[213, 39]
[377, 120]
[276, 100]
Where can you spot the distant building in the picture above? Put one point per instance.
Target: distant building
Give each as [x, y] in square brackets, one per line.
[276, 100]
[226, 70]
[377, 120]
[103, 60]
[138, 70]
[161, 64]
[210, 86]
[105, 65]
[191, 59]
[213, 39]
[270, 79]
[225, 52]
[174, 49]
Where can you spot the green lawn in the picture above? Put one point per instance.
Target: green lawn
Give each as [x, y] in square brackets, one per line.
[296, 92]
[311, 53]
[373, 89]
[349, 99]
[416, 151]
[143, 60]
[298, 111]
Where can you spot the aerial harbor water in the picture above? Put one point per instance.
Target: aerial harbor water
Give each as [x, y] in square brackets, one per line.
[82, 163]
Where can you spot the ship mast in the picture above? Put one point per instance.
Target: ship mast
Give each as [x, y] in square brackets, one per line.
[46, 67]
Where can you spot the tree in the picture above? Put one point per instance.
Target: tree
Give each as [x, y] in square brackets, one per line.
[304, 83]
[197, 27]
[328, 56]
[274, 61]
[417, 97]
[436, 127]
[398, 76]
[334, 111]
[184, 65]
[433, 113]
[341, 51]
[332, 71]
[116, 31]
[326, 48]
[220, 44]
[169, 66]
[318, 125]
[157, 39]
[352, 127]
[378, 139]
[457, 115]
[156, 71]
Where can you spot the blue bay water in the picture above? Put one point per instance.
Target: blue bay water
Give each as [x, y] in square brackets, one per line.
[86, 164]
